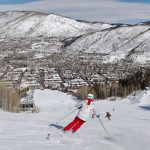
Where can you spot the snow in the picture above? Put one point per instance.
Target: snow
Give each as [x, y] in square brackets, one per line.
[145, 100]
[6, 17]
[113, 42]
[55, 25]
[38, 56]
[117, 43]
[22, 24]
[128, 130]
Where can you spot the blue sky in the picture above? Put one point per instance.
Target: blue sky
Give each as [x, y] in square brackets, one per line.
[6, 2]
[111, 11]
[137, 1]
[3, 2]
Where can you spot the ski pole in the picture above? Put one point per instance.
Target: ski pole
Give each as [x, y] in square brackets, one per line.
[101, 123]
[66, 115]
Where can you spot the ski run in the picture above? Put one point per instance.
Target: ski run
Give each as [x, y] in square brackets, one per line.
[129, 128]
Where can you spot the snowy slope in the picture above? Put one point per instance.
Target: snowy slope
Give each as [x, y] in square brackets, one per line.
[18, 24]
[22, 24]
[129, 128]
[145, 100]
[118, 43]
[54, 26]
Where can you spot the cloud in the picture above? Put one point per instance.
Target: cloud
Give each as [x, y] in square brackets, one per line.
[92, 10]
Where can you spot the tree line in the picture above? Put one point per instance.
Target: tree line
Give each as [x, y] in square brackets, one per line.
[121, 88]
[10, 98]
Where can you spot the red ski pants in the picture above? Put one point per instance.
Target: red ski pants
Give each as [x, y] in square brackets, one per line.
[74, 125]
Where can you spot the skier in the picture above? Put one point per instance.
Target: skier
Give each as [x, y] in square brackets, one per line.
[108, 115]
[83, 114]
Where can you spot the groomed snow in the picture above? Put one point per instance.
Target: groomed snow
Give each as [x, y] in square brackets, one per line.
[129, 128]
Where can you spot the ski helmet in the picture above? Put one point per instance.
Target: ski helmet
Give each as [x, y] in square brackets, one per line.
[90, 96]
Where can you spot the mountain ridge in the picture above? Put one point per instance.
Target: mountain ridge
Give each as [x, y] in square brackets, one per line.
[113, 41]
[48, 25]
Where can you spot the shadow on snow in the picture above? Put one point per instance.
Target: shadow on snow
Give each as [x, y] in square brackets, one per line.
[56, 126]
[145, 107]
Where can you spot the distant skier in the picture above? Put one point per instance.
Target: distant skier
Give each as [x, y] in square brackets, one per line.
[108, 116]
[83, 114]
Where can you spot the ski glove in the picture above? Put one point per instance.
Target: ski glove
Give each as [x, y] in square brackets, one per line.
[79, 105]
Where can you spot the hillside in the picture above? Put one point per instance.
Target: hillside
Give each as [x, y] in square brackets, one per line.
[111, 42]
[124, 42]
[22, 24]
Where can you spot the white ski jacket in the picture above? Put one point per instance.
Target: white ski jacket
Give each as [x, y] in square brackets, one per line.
[85, 111]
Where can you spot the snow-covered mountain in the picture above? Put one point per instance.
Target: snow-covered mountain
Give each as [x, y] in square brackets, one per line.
[110, 41]
[124, 42]
[22, 24]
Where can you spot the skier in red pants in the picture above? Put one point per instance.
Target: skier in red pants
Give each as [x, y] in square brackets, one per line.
[74, 125]
[83, 114]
